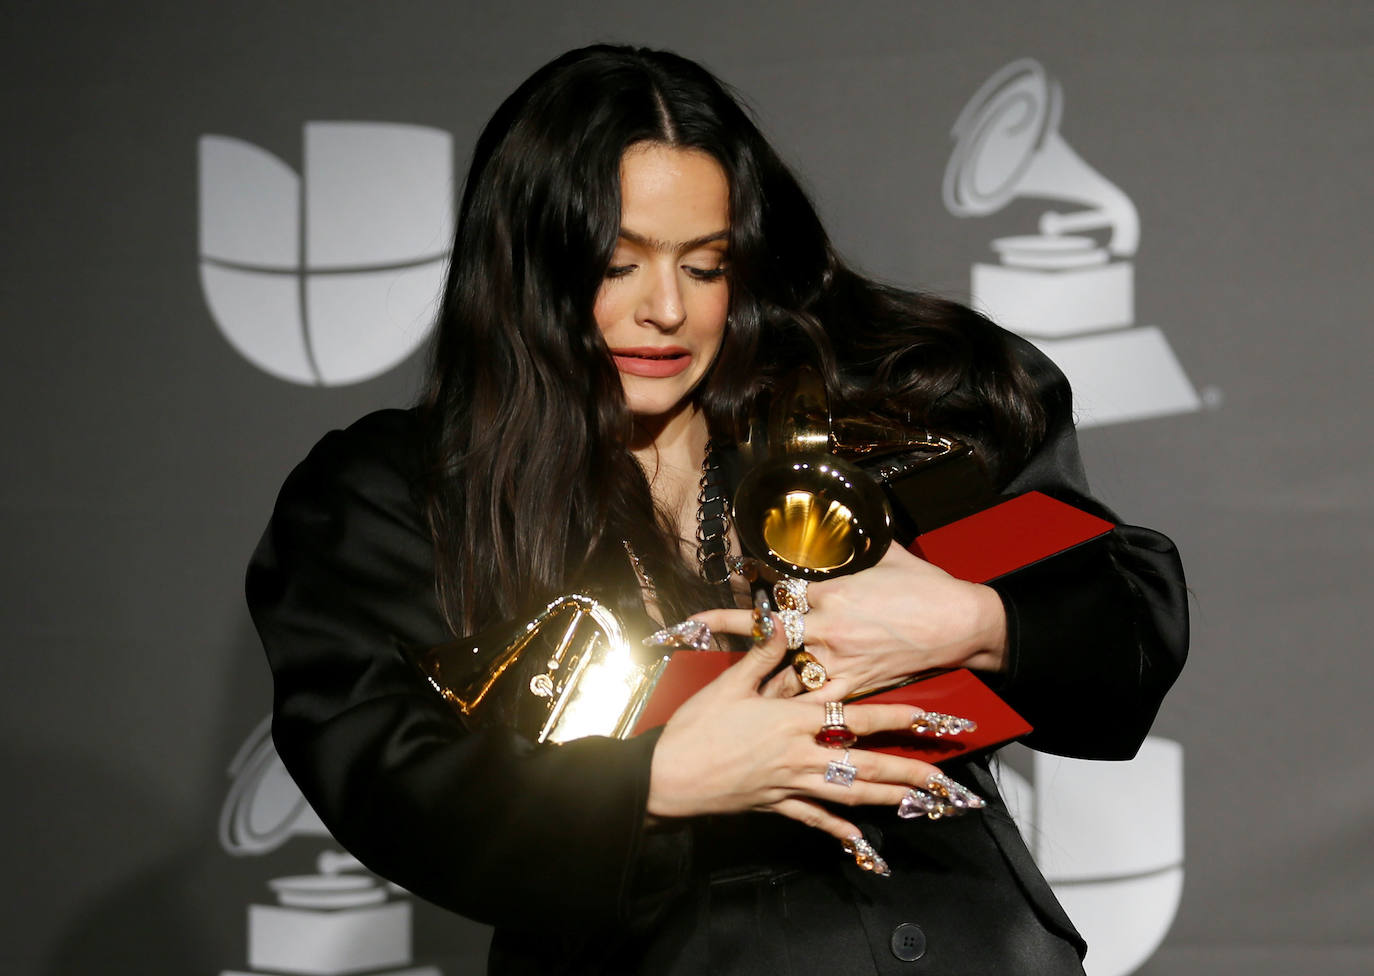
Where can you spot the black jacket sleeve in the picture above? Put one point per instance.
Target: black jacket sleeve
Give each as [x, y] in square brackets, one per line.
[1096, 635]
[340, 588]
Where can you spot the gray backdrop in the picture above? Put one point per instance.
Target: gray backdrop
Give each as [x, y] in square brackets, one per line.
[145, 452]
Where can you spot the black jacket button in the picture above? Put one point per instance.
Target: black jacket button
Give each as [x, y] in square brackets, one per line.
[908, 942]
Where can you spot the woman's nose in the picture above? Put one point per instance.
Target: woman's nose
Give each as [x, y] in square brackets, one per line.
[662, 305]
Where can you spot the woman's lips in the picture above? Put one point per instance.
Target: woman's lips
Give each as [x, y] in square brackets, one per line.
[652, 361]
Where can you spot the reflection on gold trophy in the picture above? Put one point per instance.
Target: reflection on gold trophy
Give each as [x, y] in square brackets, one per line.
[340, 920]
[826, 493]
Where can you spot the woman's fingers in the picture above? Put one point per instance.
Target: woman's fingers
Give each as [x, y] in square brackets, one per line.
[863, 794]
[862, 719]
[784, 684]
[812, 814]
[937, 797]
[879, 767]
[761, 659]
[729, 749]
[868, 719]
[727, 621]
[914, 787]
[837, 687]
[857, 777]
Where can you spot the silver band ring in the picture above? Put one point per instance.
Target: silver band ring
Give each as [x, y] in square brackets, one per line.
[794, 627]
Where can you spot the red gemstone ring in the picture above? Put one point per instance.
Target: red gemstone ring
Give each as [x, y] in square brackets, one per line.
[834, 733]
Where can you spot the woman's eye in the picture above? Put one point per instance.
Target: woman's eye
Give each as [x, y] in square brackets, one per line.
[706, 274]
[619, 270]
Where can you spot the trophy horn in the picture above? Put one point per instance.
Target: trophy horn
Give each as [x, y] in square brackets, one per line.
[812, 516]
[826, 495]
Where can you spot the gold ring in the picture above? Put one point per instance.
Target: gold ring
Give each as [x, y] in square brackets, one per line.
[789, 593]
[811, 672]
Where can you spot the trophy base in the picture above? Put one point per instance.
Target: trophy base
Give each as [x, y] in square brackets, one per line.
[1130, 374]
[1050, 304]
[313, 942]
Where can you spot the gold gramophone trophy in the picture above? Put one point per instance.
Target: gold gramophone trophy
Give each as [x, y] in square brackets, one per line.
[822, 497]
[826, 495]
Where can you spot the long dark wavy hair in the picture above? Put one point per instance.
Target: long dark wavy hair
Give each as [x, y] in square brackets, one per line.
[531, 487]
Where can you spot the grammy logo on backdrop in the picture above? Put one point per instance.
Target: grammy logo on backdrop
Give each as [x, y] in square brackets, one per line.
[330, 276]
[1107, 835]
[340, 920]
[1064, 288]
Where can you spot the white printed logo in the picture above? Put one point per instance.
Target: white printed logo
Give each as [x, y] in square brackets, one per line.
[1064, 289]
[329, 277]
[1109, 838]
[339, 920]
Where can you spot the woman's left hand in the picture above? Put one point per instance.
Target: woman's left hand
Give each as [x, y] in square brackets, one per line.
[877, 627]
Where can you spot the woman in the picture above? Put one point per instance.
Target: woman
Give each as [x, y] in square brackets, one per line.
[633, 266]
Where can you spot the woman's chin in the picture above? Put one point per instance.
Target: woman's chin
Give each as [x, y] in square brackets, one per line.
[653, 398]
[659, 413]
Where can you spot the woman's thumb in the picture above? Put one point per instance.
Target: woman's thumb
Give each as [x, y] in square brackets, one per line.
[770, 643]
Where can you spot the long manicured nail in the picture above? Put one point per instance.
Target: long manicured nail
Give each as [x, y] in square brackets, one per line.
[690, 635]
[940, 797]
[865, 856]
[958, 794]
[939, 724]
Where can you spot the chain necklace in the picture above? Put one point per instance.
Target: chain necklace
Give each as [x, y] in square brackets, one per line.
[714, 562]
[713, 522]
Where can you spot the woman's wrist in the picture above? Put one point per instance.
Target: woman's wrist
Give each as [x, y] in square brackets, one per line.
[990, 631]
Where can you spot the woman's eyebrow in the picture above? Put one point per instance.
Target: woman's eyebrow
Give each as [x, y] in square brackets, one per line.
[654, 244]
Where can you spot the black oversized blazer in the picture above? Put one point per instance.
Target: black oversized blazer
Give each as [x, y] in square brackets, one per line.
[549, 843]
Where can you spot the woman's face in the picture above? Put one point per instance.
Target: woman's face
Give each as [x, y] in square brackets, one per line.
[663, 303]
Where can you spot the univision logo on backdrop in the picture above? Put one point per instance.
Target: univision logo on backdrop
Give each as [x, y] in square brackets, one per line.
[328, 276]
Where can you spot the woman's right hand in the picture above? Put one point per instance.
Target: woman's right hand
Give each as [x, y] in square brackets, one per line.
[730, 749]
